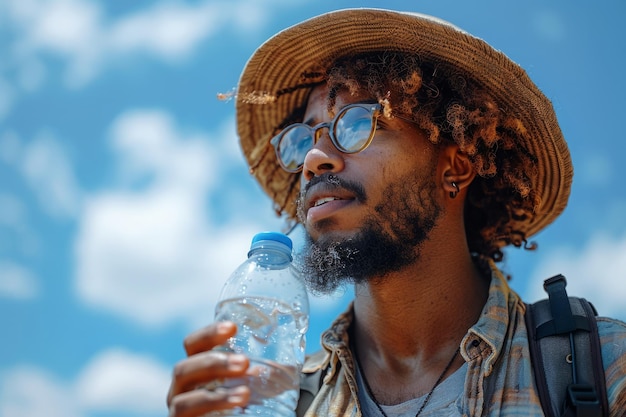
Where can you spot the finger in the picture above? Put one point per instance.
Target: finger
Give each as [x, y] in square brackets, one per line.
[208, 337]
[205, 367]
[201, 401]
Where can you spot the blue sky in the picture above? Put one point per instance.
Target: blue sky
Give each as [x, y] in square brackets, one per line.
[125, 202]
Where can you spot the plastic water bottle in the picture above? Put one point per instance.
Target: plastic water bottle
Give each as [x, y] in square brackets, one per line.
[268, 301]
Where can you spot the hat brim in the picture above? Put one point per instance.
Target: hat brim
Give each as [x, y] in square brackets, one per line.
[281, 62]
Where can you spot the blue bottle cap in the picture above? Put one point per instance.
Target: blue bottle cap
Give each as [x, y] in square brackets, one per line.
[272, 236]
[274, 240]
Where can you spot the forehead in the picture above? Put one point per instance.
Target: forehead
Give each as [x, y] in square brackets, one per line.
[319, 100]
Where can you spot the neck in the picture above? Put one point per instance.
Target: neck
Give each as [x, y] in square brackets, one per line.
[420, 308]
[409, 323]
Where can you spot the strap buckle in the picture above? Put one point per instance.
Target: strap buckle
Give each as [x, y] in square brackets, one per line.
[583, 399]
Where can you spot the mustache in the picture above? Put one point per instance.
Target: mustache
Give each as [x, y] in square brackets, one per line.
[333, 182]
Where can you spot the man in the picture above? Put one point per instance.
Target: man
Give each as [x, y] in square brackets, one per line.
[412, 153]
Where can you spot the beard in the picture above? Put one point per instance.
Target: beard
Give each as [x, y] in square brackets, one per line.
[389, 239]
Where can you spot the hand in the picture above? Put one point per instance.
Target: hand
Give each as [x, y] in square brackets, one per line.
[188, 395]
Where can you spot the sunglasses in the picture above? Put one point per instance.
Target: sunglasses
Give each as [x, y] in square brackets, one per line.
[350, 131]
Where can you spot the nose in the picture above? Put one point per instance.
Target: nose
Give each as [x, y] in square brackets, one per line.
[322, 157]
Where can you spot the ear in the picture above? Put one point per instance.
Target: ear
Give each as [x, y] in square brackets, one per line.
[456, 169]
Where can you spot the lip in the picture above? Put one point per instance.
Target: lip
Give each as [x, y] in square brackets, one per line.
[332, 199]
[317, 213]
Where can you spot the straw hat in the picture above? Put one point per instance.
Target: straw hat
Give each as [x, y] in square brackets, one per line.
[281, 61]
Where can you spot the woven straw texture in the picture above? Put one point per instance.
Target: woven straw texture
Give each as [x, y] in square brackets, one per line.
[280, 62]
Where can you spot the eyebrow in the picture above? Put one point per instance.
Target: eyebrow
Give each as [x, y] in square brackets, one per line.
[311, 121]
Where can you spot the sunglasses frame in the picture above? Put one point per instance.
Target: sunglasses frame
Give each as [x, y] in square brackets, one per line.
[374, 109]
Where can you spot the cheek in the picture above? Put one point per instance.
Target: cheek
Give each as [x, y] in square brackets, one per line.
[410, 169]
[393, 165]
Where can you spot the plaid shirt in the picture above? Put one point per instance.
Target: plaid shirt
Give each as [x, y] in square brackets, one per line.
[499, 380]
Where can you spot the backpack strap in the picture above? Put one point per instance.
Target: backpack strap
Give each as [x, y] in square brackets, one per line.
[566, 354]
[310, 384]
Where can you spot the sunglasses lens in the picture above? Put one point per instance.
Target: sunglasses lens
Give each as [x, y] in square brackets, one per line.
[354, 129]
[296, 141]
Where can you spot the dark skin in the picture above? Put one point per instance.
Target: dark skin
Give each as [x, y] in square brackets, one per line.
[203, 365]
[404, 338]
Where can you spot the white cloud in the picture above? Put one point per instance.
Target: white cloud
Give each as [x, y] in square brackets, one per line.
[17, 281]
[26, 391]
[48, 171]
[87, 40]
[117, 380]
[150, 251]
[114, 381]
[595, 272]
[67, 27]
[148, 144]
[250, 15]
[168, 30]
[152, 257]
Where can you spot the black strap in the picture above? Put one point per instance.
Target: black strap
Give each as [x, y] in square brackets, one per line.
[563, 320]
[562, 330]
[310, 384]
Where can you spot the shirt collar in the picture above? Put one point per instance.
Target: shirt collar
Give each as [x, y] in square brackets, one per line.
[491, 330]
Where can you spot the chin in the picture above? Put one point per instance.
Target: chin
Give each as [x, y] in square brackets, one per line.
[326, 231]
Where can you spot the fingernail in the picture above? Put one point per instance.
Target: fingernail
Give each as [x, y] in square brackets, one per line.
[224, 327]
[237, 395]
[237, 362]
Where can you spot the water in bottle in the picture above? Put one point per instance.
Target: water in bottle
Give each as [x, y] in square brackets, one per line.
[267, 300]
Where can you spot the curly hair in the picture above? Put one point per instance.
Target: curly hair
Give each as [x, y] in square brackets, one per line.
[450, 108]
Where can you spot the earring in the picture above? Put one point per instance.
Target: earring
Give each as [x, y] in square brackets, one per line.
[456, 188]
